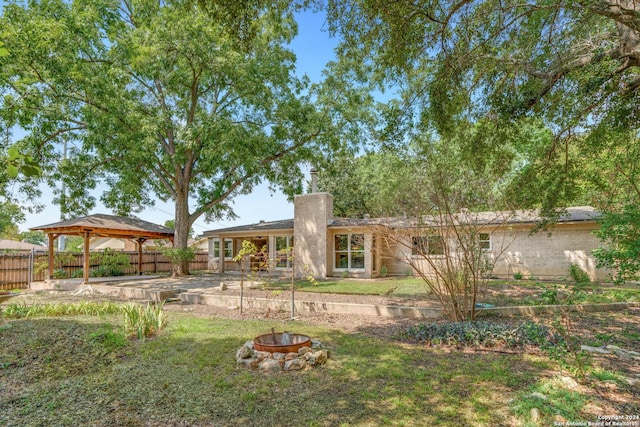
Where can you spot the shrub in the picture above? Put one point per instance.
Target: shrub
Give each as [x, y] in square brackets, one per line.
[143, 321]
[384, 271]
[480, 334]
[578, 275]
[517, 276]
[59, 274]
[111, 263]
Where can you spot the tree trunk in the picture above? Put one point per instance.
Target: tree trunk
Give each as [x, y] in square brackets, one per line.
[181, 236]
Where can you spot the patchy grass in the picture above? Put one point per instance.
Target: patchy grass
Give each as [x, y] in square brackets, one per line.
[496, 292]
[82, 371]
[66, 371]
[393, 286]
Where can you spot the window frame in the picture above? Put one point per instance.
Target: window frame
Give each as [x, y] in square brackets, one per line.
[426, 242]
[278, 254]
[482, 241]
[349, 252]
[228, 248]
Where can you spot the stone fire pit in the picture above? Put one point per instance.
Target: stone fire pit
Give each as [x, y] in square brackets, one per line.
[276, 352]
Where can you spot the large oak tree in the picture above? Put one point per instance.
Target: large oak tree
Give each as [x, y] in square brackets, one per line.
[194, 102]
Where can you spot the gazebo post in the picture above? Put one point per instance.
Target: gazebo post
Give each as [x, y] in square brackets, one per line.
[85, 268]
[140, 241]
[52, 238]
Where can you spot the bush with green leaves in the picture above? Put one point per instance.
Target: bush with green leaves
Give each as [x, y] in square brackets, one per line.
[620, 235]
[110, 263]
[578, 275]
[480, 334]
[143, 321]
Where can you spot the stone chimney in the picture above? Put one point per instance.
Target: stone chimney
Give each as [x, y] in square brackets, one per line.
[312, 213]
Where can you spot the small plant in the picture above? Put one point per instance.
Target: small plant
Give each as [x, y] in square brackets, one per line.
[143, 321]
[578, 275]
[565, 349]
[550, 296]
[517, 275]
[474, 334]
[383, 271]
[59, 274]
[345, 274]
[408, 272]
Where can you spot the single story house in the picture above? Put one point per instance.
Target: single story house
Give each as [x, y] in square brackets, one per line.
[327, 246]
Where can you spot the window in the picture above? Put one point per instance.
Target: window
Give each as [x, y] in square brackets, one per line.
[283, 257]
[427, 245]
[216, 249]
[484, 240]
[349, 251]
[228, 249]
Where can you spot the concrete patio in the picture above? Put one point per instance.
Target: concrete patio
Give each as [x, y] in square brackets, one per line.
[221, 290]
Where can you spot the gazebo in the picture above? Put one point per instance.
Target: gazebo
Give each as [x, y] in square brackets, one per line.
[100, 225]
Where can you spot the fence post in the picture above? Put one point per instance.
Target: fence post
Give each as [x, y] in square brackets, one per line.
[30, 268]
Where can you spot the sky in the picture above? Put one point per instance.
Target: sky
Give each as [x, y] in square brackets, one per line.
[313, 49]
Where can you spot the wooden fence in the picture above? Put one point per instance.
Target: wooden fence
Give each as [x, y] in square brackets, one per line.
[19, 269]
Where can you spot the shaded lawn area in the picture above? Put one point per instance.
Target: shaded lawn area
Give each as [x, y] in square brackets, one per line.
[497, 292]
[68, 371]
[72, 371]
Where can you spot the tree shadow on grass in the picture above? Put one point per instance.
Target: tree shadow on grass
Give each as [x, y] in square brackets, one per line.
[188, 376]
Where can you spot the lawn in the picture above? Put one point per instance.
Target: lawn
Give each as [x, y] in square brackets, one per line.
[496, 292]
[73, 370]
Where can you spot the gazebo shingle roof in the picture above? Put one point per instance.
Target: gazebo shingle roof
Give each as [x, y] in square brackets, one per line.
[108, 225]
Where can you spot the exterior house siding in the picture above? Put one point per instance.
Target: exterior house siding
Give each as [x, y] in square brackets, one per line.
[543, 255]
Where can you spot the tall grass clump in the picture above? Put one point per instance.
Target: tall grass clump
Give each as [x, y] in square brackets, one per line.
[84, 308]
[143, 321]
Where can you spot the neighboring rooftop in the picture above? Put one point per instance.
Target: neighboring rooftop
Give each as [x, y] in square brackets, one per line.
[14, 245]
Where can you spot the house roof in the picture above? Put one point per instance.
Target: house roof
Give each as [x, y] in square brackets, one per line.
[108, 226]
[283, 224]
[572, 214]
[19, 246]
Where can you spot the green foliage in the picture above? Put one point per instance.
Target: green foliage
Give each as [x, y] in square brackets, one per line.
[559, 401]
[143, 321]
[110, 263]
[620, 235]
[34, 237]
[480, 334]
[110, 338]
[564, 348]
[578, 275]
[60, 273]
[517, 275]
[179, 255]
[10, 214]
[384, 271]
[175, 105]
[18, 162]
[85, 308]
[74, 244]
